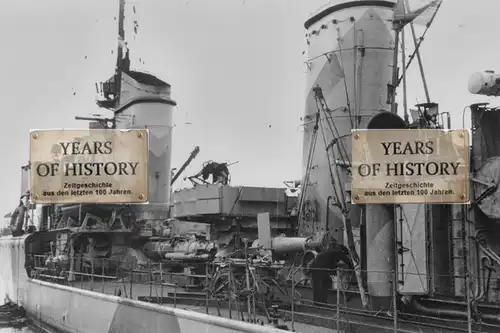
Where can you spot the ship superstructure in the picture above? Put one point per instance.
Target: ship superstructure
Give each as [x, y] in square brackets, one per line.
[250, 254]
[351, 48]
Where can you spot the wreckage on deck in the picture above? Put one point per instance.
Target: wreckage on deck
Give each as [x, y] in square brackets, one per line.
[232, 210]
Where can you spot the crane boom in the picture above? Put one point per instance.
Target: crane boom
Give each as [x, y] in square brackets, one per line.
[191, 157]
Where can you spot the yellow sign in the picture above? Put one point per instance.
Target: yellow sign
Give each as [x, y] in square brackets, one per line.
[410, 166]
[89, 166]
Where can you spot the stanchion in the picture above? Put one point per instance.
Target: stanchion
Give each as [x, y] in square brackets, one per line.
[150, 281]
[161, 284]
[175, 294]
[117, 284]
[338, 300]
[394, 300]
[254, 289]
[131, 278]
[92, 274]
[102, 276]
[216, 298]
[206, 287]
[468, 300]
[467, 280]
[230, 284]
[247, 280]
[293, 302]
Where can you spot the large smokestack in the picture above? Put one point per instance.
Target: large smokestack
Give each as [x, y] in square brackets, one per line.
[145, 102]
[350, 57]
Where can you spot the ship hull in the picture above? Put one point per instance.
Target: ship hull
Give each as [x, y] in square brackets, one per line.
[72, 310]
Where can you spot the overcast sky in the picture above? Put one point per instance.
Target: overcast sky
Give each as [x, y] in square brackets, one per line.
[236, 69]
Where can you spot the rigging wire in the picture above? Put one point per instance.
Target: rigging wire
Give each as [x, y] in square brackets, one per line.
[333, 164]
[405, 92]
[308, 171]
[338, 199]
[421, 39]
[322, 106]
[463, 115]
[345, 81]
[354, 56]
[327, 53]
[305, 181]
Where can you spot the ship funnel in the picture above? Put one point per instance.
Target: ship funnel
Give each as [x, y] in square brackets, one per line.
[380, 225]
[349, 74]
[485, 83]
[145, 103]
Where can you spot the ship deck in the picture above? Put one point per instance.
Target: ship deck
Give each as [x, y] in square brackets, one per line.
[142, 292]
[305, 317]
[343, 310]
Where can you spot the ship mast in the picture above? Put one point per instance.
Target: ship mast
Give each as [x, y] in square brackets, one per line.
[119, 53]
[403, 16]
[121, 65]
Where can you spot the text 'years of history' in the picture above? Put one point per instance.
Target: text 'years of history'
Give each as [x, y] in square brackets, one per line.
[410, 166]
[89, 166]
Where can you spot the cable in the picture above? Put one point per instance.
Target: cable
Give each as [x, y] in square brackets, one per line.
[421, 39]
[339, 200]
[345, 81]
[308, 172]
[322, 106]
[463, 115]
[305, 182]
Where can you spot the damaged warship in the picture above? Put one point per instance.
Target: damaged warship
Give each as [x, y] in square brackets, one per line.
[235, 258]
